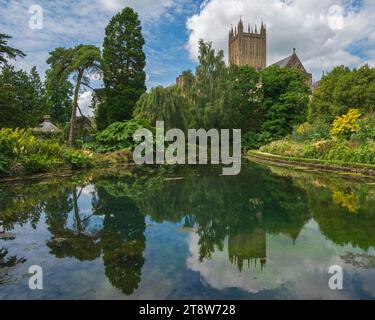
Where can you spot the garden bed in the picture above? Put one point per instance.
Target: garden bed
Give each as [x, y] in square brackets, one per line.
[353, 169]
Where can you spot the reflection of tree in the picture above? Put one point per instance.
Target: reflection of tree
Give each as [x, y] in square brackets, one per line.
[123, 240]
[242, 209]
[348, 201]
[248, 247]
[235, 206]
[330, 199]
[6, 263]
[341, 227]
[77, 241]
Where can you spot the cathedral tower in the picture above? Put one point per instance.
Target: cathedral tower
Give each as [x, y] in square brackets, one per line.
[248, 48]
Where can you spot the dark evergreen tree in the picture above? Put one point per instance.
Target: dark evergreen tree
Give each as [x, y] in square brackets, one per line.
[7, 52]
[123, 66]
[58, 93]
[21, 98]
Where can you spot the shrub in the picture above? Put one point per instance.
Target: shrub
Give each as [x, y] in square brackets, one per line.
[21, 151]
[4, 163]
[366, 128]
[311, 132]
[346, 125]
[35, 163]
[77, 159]
[365, 153]
[288, 148]
[340, 152]
[16, 142]
[119, 136]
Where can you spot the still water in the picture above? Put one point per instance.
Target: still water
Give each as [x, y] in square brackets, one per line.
[188, 233]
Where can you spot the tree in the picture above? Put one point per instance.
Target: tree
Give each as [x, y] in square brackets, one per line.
[285, 100]
[7, 52]
[58, 92]
[209, 91]
[21, 98]
[341, 90]
[123, 66]
[245, 109]
[80, 62]
[165, 104]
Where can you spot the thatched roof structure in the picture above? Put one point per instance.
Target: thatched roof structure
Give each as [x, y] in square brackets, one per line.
[47, 126]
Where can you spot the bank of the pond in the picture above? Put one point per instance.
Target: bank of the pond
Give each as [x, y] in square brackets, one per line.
[98, 162]
[342, 168]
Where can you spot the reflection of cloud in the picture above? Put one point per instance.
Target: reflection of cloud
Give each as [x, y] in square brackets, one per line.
[301, 268]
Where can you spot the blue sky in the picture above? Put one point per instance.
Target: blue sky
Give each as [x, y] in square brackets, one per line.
[326, 33]
[164, 31]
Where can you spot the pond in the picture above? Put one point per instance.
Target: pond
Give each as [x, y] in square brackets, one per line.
[188, 233]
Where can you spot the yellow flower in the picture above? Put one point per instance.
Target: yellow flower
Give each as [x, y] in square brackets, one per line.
[346, 125]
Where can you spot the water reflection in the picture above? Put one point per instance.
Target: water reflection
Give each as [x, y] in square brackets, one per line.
[252, 221]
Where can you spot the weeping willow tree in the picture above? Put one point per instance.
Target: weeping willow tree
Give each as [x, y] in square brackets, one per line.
[211, 86]
[165, 104]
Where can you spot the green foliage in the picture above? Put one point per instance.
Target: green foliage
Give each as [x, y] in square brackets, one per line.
[288, 148]
[365, 153]
[366, 129]
[21, 151]
[311, 132]
[21, 98]
[165, 104]
[119, 136]
[123, 67]
[79, 62]
[285, 98]
[7, 52]
[244, 109]
[36, 163]
[333, 150]
[58, 92]
[341, 90]
[77, 159]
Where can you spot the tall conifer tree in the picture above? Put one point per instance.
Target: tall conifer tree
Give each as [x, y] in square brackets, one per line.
[123, 67]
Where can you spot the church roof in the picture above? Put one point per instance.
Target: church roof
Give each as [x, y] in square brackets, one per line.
[284, 62]
[291, 61]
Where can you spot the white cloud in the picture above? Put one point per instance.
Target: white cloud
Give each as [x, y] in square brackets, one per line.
[84, 103]
[148, 9]
[69, 23]
[313, 27]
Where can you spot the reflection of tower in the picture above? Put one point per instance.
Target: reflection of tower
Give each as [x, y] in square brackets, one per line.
[250, 247]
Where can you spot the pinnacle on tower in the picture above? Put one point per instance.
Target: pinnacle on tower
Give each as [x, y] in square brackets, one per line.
[240, 26]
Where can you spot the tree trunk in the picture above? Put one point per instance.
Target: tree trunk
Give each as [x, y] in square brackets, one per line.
[73, 117]
[76, 211]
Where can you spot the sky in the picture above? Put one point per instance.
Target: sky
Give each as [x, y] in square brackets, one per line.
[325, 33]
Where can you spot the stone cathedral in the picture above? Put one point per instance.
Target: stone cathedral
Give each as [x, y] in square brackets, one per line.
[248, 48]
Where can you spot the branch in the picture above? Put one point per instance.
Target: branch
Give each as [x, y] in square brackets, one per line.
[84, 117]
[87, 85]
